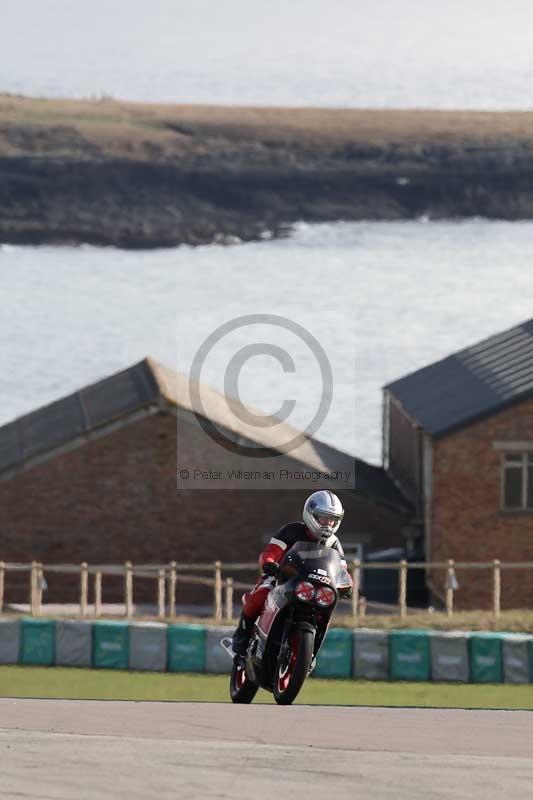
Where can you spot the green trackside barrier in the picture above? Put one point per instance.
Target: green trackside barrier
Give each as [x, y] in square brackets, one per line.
[409, 655]
[334, 659]
[186, 648]
[38, 642]
[486, 657]
[516, 667]
[111, 645]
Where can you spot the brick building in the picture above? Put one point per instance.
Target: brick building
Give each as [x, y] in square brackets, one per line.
[458, 440]
[92, 477]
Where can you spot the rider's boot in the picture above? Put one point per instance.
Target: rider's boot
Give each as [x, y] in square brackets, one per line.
[241, 637]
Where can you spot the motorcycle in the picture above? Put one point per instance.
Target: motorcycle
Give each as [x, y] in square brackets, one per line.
[290, 630]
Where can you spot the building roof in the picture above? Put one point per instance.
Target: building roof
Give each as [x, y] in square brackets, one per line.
[149, 387]
[72, 417]
[471, 384]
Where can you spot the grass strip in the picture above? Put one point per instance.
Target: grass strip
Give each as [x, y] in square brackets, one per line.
[87, 684]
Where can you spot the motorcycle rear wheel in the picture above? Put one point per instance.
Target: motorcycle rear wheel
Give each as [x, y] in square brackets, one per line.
[291, 676]
[241, 688]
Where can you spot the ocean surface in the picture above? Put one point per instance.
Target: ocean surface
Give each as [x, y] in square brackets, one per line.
[392, 53]
[381, 298]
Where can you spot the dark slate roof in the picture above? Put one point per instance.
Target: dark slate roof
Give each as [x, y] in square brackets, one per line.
[64, 421]
[471, 384]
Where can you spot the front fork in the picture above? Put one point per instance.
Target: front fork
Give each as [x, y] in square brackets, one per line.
[285, 649]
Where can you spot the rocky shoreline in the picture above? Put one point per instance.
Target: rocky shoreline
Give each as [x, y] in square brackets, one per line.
[138, 176]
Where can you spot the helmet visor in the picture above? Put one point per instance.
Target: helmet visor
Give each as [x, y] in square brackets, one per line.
[327, 521]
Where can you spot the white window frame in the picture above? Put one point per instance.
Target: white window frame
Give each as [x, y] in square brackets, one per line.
[526, 461]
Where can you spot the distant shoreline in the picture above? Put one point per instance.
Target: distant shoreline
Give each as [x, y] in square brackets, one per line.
[136, 175]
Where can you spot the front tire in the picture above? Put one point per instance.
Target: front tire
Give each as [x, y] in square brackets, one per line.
[291, 675]
[241, 688]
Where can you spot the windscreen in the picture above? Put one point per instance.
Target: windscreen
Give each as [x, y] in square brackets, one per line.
[308, 558]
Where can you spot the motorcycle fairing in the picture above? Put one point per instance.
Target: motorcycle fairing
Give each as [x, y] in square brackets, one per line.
[304, 561]
[268, 614]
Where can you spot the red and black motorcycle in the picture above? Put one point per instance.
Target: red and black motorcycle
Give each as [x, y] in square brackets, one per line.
[291, 628]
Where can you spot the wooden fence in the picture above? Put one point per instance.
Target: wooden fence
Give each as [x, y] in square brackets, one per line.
[166, 579]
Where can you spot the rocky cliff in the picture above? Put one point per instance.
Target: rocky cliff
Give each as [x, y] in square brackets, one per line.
[149, 176]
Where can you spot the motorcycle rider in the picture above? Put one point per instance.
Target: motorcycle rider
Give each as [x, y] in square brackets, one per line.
[322, 516]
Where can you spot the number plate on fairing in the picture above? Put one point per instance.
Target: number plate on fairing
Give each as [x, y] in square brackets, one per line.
[322, 578]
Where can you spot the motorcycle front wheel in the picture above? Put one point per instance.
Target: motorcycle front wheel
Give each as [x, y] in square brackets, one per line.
[293, 669]
[241, 688]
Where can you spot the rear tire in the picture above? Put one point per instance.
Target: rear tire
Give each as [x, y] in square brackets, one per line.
[290, 677]
[241, 688]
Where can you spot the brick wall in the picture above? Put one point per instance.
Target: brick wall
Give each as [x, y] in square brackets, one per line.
[467, 523]
[115, 499]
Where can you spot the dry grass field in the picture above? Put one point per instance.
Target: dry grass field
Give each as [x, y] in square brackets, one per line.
[518, 621]
[136, 130]
[515, 621]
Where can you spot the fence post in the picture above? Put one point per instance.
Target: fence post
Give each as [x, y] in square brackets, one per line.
[98, 595]
[229, 599]
[450, 582]
[172, 590]
[2, 574]
[218, 591]
[128, 600]
[362, 609]
[84, 588]
[402, 601]
[40, 583]
[497, 587]
[161, 593]
[33, 588]
[356, 578]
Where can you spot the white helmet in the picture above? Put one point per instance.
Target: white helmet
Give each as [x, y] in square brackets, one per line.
[323, 513]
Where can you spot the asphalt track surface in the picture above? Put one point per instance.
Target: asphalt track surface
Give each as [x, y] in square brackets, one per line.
[73, 750]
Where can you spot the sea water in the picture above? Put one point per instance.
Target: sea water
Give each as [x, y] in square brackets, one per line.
[386, 297]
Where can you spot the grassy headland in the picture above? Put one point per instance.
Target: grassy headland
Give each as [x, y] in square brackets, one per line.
[139, 175]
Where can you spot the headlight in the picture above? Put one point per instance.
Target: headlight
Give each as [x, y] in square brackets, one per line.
[305, 591]
[325, 596]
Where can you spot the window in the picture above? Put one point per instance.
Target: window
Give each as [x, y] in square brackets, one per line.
[518, 481]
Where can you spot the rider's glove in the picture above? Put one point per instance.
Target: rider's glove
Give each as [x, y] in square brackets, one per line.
[271, 568]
